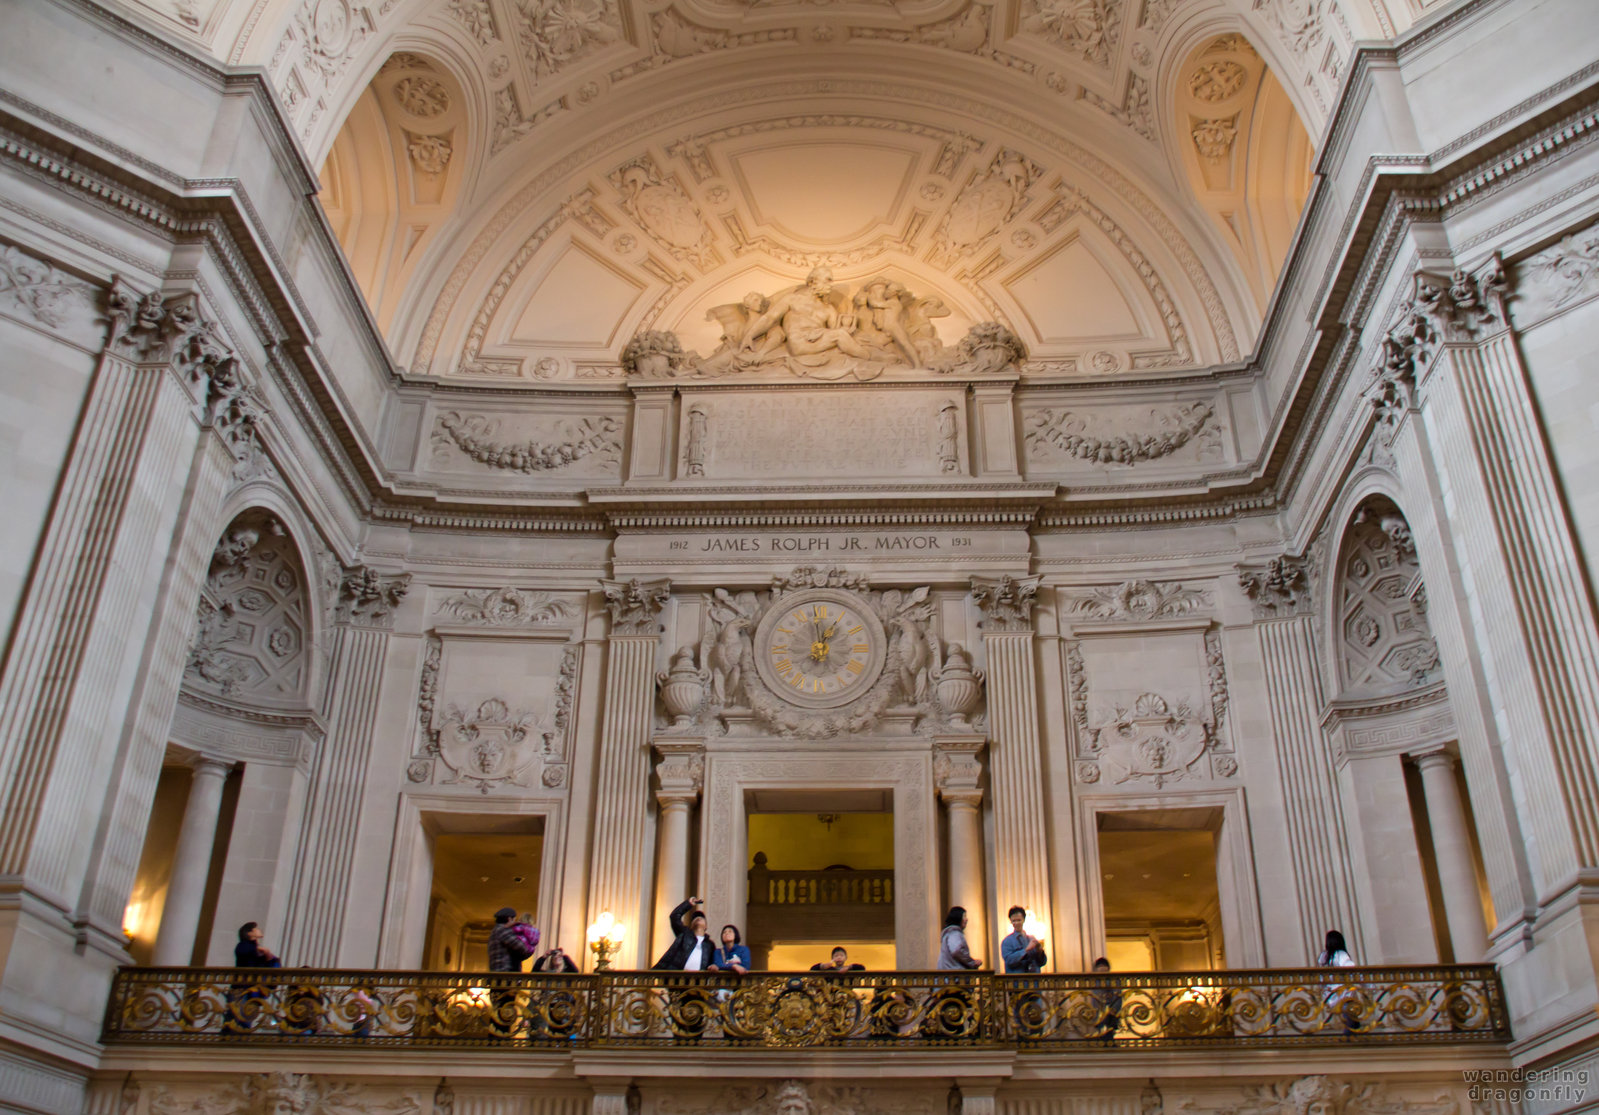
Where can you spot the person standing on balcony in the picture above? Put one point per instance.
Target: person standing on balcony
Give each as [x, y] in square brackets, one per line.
[507, 948]
[508, 945]
[953, 953]
[734, 955]
[1021, 951]
[246, 1001]
[691, 950]
[555, 961]
[839, 963]
[1346, 999]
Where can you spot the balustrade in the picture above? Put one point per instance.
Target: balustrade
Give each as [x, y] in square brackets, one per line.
[821, 888]
[856, 1010]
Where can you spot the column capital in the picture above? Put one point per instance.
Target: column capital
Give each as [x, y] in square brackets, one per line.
[367, 597]
[1279, 587]
[1439, 756]
[1458, 308]
[635, 605]
[681, 770]
[209, 765]
[1006, 602]
[956, 769]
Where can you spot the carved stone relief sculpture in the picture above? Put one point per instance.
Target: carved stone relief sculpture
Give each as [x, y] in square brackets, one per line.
[1153, 739]
[1135, 600]
[817, 330]
[798, 1097]
[474, 435]
[488, 744]
[40, 292]
[1384, 640]
[1052, 432]
[271, 1093]
[506, 607]
[1319, 1095]
[1278, 587]
[822, 680]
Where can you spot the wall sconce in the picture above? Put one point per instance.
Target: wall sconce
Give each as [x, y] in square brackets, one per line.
[827, 819]
[605, 938]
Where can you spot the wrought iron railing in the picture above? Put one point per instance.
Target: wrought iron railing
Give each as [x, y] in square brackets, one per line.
[796, 1010]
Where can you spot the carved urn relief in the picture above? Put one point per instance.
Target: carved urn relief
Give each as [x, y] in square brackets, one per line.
[682, 688]
[959, 686]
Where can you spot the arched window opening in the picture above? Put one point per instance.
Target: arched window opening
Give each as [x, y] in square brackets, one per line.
[393, 172]
[1247, 154]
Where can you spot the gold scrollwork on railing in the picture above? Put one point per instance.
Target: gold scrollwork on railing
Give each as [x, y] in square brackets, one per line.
[808, 1010]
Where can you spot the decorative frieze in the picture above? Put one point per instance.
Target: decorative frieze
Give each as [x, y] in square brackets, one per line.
[1320, 1094]
[506, 607]
[635, 605]
[1135, 600]
[1559, 276]
[1278, 587]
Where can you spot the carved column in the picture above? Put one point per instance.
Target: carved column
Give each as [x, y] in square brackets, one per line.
[682, 776]
[956, 772]
[1021, 850]
[1281, 595]
[191, 863]
[1451, 846]
[1512, 537]
[617, 875]
[363, 620]
[102, 628]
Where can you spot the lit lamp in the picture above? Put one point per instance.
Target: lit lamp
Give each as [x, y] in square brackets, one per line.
[605, 938]
[1034, 928]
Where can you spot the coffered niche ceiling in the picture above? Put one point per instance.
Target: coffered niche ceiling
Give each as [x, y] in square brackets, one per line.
[521, 186]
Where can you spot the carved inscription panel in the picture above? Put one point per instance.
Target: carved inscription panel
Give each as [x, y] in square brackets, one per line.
[788, 435]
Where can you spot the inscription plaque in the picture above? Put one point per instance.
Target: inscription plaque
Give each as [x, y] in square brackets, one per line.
[809, 434]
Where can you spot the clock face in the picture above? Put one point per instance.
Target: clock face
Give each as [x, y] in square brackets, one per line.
[819, 648]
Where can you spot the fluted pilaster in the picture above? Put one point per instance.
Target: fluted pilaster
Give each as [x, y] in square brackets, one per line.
[617, 876]
[1021, 849]
[1317, 844]
[360, 643]
[67, 678]
[1537, 620]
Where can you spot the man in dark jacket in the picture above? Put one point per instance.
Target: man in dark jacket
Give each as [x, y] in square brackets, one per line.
[693, 948]
[691, 951]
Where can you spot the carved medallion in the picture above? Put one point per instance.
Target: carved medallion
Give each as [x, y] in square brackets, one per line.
[823, 648]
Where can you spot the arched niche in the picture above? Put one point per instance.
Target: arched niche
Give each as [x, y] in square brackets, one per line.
[227, 805]
[391, 178]
[1246, 154]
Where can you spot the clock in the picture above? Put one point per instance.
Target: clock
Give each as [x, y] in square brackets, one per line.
[819, 648]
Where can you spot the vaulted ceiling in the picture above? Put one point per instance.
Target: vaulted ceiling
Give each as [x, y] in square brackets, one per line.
[521, 185]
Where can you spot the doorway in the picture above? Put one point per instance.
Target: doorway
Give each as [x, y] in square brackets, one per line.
[821, 875]
[480, 864]
[1159, 880]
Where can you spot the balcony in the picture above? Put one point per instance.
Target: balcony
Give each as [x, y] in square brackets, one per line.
[861, 1011]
